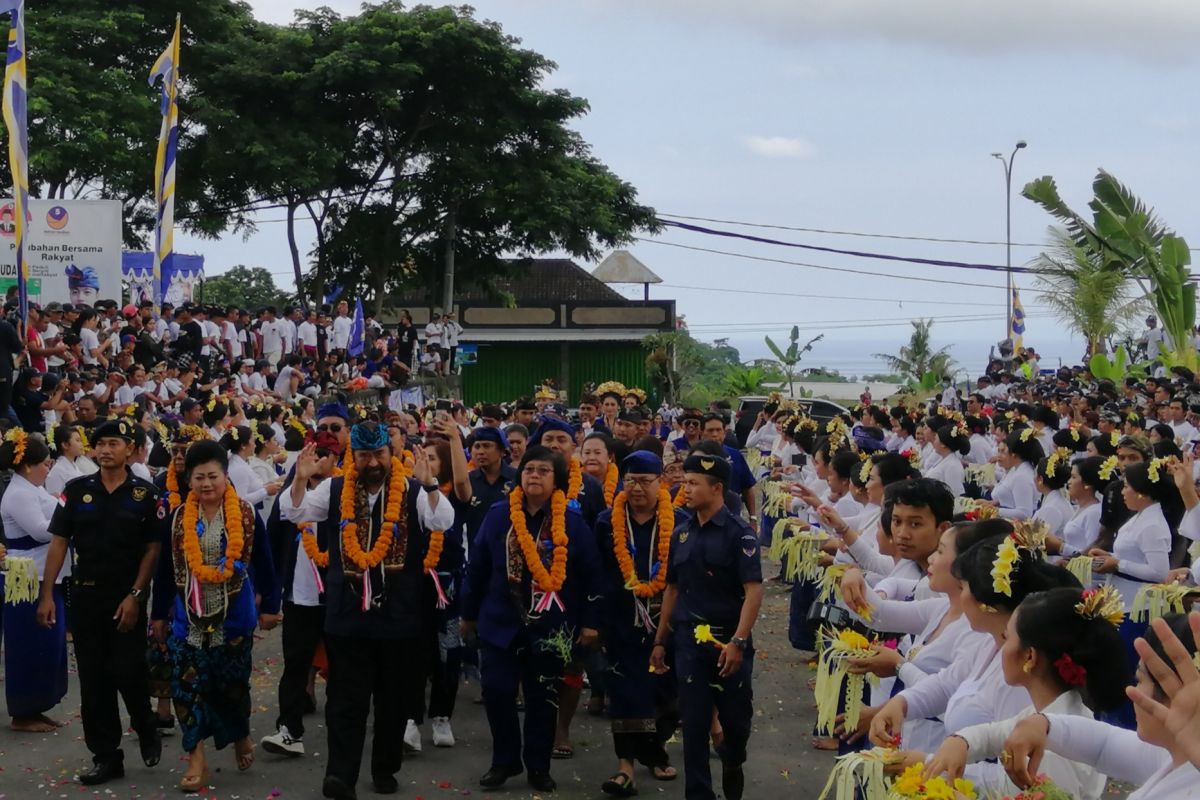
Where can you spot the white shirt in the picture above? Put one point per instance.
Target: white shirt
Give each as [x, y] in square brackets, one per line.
[246, 483]
[52, 332]
[91, 342]
[982, 449]
[272, 338]
[283, 383]
[307, 333]
[1078, 779]
[1016, 493]
[1154, 341]
[316, 507]
[1081, 530]
[230, 335]
[287, 330]
[1185, 432]
[1143, 550]
[127, 394]
[63, 472]
[341, 332]
[26, 511]
[142, 471]
[433, 333]
[451, 331]
[1124, 757]
[950, 472]
[1055, 510]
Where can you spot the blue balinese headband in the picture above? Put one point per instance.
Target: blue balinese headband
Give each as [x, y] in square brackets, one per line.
[363, 437]
[82, 278]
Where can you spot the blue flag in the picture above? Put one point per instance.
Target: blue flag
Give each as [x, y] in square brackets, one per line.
[357, 328]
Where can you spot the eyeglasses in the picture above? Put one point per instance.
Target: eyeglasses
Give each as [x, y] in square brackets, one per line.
[335, 427]
[539, 470]
[642, 482]
[691, 423]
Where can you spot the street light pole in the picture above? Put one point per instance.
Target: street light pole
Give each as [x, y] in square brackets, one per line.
[1007, 164]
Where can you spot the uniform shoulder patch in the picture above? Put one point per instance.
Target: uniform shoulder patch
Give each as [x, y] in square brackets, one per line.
[139, 493]
[749, 544]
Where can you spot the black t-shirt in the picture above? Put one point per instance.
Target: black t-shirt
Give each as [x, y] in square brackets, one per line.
[191, 338]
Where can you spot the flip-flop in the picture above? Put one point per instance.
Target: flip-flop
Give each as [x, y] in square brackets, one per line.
[660, 773]
[244, 758]
[562, 752]
[192, 784]
[619, 785]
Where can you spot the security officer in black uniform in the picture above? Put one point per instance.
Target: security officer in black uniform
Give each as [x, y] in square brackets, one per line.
[111, 520]
[714, 579]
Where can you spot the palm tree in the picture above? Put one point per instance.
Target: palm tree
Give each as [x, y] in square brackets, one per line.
[1088, 297]
[1127, 237]
[918, 358]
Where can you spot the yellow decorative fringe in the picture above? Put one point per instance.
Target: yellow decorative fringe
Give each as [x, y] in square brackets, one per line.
[831, 582]
[858, 776]
[1157, 600]
[800, 556]
[778, 499]
[20, 580]
[1081, 568]
[754, 458]
[839, 647]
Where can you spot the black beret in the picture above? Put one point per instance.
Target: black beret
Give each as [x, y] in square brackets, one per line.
[712, 466]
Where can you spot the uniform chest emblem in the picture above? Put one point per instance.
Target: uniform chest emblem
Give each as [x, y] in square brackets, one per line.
[87, 498]
[139, 493]
[683, 537]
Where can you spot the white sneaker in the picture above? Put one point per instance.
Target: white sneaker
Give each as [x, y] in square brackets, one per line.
[412, 738]
[442, 735]
[281, 743]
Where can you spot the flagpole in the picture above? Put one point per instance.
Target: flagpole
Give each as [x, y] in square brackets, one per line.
[15, 108]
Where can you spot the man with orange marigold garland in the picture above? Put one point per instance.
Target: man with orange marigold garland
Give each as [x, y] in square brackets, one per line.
[534, 595]
[712, 599]
[376, 523]
[634, 538]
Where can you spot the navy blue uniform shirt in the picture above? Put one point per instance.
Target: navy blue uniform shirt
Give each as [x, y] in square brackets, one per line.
[710, 564]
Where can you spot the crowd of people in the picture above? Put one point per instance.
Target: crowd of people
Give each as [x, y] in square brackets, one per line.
[179, 481]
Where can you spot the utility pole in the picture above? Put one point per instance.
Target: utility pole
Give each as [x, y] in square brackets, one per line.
[1007, 164]
[448, 277]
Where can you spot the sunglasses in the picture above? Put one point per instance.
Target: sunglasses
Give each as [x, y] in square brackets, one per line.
[335, 427]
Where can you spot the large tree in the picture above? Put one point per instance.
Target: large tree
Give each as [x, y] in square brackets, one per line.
[244, 287]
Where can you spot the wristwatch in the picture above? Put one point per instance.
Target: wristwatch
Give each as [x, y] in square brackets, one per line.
[136, 594]
[431, 487]
[739, 642]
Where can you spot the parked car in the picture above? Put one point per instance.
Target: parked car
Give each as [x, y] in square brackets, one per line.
[749, 406]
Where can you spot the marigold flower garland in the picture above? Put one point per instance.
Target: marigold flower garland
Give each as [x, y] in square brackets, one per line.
[547, 581]
[174, 497]
[235, 538]
[351, 548]
[610, 484]
[311, 547]
[665, 524]
[574, 479]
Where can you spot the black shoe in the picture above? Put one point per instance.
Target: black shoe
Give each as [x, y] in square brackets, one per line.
[386, 784]
[541, 780]
[337, 789]
[733, 781]
[150, 743]
[496, 776]
[102, 772]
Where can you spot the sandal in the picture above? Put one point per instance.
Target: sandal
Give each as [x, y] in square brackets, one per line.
[665, 773]
[192, 784]
[562, 751]
[619, 785]
[245, 757]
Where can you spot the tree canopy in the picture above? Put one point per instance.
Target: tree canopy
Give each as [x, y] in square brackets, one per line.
[244, 287]
[390, 132]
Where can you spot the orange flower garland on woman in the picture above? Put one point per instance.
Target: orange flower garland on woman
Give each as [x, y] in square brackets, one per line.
[610, 484]
[574, 479]
[665, 523]
[235, 538]
[351, 548]
[174, 498]
[552, 581]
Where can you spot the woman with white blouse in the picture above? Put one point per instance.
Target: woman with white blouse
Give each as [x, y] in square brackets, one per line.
[972, 689]
[68, 445]
[983, 446]
[1057, 646]
[1084, 489]
[951, 444]
[1015, 495]
[35, 658]
[239, 442]
[1053, 473]
[1154, 758]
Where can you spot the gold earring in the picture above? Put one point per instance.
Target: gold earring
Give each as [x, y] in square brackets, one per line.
[1027, 667]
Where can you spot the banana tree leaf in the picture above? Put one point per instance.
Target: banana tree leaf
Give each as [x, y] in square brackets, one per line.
[775, 349]
[1044, 192]
[1124, 203]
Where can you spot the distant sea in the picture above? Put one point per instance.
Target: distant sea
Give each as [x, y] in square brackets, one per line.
[856, 357]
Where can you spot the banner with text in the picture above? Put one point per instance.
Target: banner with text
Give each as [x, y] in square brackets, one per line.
[72, 247]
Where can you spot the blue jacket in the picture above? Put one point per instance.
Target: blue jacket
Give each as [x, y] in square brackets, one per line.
[502, 609]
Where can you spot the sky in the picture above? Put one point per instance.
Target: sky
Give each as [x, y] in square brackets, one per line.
[867, 116]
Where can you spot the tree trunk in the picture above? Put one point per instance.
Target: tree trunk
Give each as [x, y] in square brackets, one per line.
[295, 251]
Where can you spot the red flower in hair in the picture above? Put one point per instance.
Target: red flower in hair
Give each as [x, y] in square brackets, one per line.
[1072, 674]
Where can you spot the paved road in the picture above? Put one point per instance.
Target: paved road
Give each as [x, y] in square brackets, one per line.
[781, 760]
